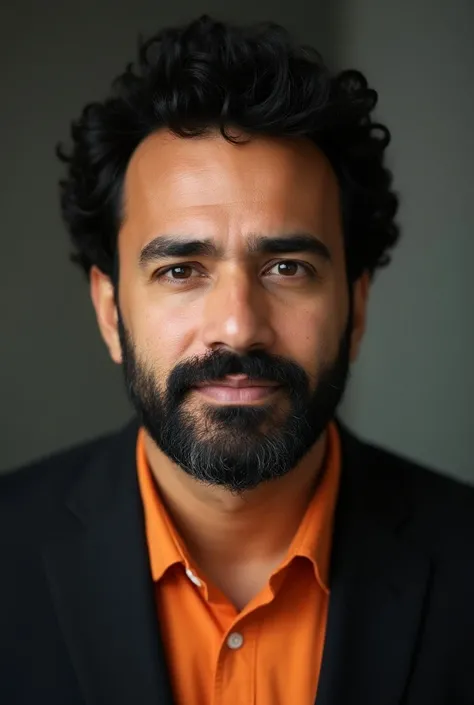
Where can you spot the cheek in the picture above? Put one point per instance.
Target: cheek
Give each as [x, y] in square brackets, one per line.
[310, 334]
[166, 333]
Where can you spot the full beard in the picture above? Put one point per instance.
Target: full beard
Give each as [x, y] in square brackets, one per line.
[237, 447]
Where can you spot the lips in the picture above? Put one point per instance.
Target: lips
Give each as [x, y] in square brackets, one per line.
[238, 382]
[238, 388]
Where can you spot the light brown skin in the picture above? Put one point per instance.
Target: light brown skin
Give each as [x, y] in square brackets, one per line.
[209, 188]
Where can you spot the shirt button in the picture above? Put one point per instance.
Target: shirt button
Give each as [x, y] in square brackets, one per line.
[193, 578]
[235, 640]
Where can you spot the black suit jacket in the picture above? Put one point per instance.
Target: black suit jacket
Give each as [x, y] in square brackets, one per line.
[78, 623]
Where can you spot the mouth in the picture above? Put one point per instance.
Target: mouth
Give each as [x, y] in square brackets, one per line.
[238, 389]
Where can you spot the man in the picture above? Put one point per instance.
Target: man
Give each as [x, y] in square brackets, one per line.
[234, 543]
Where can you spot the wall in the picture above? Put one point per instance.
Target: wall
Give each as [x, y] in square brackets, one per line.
[413, 388]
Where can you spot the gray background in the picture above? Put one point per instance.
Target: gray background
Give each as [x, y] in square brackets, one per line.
[413, 387]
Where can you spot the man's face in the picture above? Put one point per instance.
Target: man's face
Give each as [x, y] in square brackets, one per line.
[232, 270]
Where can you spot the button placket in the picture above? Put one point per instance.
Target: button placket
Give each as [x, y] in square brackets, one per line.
[236, 665]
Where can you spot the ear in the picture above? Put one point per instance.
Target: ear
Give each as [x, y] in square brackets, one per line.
[360, 300]
[102, 295]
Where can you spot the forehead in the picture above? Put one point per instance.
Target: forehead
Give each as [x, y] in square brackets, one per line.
[207, 186]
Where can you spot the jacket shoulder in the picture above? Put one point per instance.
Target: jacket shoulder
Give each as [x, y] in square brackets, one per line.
[425, 482]
[441, 507]
[33, 490]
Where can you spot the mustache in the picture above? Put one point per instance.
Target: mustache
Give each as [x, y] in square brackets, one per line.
[214, 366]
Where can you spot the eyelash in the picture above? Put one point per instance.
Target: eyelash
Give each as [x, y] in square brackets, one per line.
[160, 273]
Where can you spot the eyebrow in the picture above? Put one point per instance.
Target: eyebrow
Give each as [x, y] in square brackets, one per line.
[169, 246]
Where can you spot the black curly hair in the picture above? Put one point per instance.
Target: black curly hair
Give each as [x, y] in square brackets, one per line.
[210, 75]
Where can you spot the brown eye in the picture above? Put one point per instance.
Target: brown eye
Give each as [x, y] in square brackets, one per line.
[180, 272]
[287, 268]
[177, 274]
[290, 269]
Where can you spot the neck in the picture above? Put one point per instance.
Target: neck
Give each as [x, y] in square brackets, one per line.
[219, 528]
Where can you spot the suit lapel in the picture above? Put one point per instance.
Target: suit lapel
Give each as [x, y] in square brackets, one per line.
[378, 587]
[101, 586]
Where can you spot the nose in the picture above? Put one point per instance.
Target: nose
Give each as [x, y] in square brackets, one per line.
[237, 315]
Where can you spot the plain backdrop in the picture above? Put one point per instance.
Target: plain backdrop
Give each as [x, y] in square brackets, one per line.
[413, 388]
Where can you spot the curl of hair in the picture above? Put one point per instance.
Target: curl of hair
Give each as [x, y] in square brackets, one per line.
[209, 75]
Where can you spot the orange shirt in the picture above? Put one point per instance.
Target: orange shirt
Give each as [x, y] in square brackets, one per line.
[271, 651]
